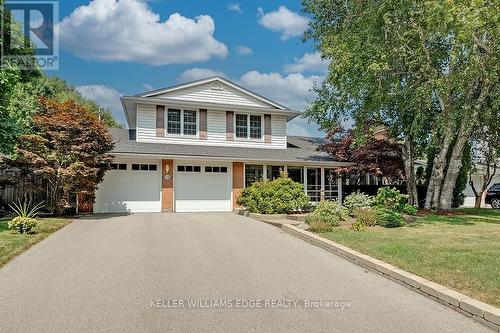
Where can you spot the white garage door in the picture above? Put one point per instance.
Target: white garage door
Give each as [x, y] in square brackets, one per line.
[202, 187]
[129, 187]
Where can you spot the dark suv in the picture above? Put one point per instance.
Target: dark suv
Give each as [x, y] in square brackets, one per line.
[493, 196]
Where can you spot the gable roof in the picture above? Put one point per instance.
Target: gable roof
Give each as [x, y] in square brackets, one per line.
[212, 79]
[212, 93]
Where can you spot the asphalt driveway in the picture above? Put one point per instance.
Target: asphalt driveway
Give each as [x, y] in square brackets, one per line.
[143, 272]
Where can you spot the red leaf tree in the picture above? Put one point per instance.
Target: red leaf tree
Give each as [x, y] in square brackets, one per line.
[369, 153]
[69, 149]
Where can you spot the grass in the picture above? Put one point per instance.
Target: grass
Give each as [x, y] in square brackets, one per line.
[13, 243]
[460, 251]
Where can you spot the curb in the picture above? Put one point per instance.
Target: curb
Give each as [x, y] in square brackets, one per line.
[483, 313]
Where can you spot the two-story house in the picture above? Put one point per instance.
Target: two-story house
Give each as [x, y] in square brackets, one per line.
[193, 148]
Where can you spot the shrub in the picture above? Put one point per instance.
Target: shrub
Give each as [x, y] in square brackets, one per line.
[389, 219]
[26, 213]
[23, 225]
[319, 226]
[368, 216]
[330, 212]
[357, 200]
[409, 209]
[390, 198]
[358, 225]
[279, 196]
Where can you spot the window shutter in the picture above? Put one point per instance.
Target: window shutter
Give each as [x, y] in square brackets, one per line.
[160, 120]
[229, 126]
[267, 128]
[203, 124]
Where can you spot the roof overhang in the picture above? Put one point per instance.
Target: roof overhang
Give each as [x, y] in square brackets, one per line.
[130, 106]
[331, 164]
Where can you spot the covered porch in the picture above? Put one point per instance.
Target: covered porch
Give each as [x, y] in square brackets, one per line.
[320, 182]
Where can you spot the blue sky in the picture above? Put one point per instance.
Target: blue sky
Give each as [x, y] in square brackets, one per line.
[110, 48]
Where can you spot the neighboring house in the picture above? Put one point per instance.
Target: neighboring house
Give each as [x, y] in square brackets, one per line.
[193, 148]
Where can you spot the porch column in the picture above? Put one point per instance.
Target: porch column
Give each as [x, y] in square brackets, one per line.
[305, 180]
[322, 190]
[167, 185]
[339, 188]
[264, 172]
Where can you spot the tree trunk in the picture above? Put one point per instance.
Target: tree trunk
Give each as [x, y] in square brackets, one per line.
[479, 200]
[455, 162]
[437, 174]
[411, 183]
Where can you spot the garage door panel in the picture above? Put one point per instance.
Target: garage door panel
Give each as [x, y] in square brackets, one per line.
[129, 191]
[202, 191]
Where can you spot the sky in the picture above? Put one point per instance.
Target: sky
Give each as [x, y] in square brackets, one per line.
[111, 48]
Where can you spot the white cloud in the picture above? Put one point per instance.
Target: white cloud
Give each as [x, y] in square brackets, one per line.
[292, 90]
[127, 30]
[244, 50]
[197, 74]
[234, 7]
[285, 21]
[309, 62]
[147, 86]
[107, 97]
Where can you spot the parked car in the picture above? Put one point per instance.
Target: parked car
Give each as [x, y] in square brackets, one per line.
[493, 196]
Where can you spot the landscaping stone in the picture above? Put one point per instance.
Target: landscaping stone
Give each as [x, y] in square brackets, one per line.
[432, 288]
[262, 217]
[492, 314]
[473, 306]
[451, 296]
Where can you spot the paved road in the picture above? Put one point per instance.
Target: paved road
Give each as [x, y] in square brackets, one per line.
[101, 275]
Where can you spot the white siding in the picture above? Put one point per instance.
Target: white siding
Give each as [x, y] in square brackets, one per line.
[216, 130]
[204, 93]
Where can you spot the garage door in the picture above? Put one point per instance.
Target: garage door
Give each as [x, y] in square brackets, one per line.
[129, 187]
[202, 187]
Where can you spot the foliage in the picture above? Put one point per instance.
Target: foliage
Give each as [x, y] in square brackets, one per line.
[279, 196]
[330, 212]
[409, 209]
[26, 209]
[69, 149]
[367, 153]
[357, 200]
[358, 225]
[367, 217]
[23, 224]
[320, 226]
[388, 218]
[390, 198]
[428, 70]
[21, 89]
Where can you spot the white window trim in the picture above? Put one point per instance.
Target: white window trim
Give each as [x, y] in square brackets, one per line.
[182, 123]
[248, 138]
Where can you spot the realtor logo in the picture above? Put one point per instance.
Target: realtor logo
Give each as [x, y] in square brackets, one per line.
[30, 23]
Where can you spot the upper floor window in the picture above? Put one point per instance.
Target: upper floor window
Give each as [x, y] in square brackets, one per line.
[181, 122]
[248, 126]
[174, 121]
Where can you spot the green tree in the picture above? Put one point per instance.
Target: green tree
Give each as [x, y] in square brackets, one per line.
[69, 152]
[424, 68]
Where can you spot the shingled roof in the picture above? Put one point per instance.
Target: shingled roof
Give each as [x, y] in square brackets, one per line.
[300, 149]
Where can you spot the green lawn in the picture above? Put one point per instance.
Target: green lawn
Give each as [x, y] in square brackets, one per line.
[13, 243]
[459, 251]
